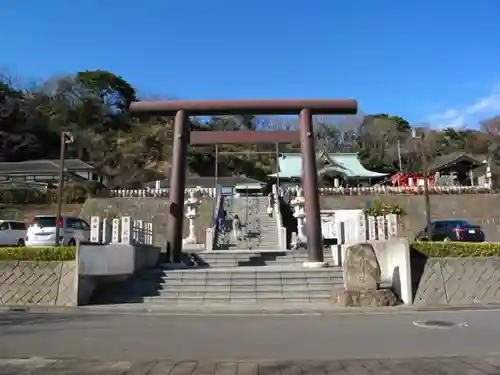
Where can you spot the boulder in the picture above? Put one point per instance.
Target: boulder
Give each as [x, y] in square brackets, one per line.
[361, 268]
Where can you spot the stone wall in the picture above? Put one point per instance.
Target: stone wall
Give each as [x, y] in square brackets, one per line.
[459, 281]
[480, 209]
[38, 283]
[154, 210]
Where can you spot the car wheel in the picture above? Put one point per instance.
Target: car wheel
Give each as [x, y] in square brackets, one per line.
[21, 242]
[72, 242]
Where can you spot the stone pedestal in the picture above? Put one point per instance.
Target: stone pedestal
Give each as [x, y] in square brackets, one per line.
[366, 298]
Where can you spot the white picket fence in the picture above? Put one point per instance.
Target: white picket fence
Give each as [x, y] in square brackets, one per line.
[122, 230]
[361, 228]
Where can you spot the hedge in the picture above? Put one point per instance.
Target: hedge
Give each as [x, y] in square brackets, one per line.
[457, 249]
[53, 253]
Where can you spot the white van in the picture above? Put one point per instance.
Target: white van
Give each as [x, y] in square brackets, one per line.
[42, 231]
[12, 233]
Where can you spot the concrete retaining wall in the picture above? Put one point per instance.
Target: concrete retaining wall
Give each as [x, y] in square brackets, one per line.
[115, 259]
[481, 209]
[39, 283]
[459, 281]
[71, 283]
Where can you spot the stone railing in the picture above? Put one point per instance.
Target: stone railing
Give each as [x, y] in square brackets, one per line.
[389, 190]
[157, 193]
[372, 190]
[218, 208]
[122, 230]
[282, 240]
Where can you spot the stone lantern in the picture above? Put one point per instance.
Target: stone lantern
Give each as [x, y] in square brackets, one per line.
[299, 213]
[192, 213]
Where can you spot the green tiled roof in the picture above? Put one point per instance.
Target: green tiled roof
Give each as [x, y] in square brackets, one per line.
[346, 164]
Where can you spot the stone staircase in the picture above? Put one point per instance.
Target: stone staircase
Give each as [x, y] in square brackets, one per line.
[259, 231]
[223, 259]
[244, 278]
[236, 285]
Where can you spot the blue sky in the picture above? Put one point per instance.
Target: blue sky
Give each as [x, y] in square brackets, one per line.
[424, 60]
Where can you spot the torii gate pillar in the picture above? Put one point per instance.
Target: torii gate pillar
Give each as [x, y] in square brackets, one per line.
[182, 137]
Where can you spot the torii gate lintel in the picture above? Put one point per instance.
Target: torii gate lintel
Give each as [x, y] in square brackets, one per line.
[182, 137]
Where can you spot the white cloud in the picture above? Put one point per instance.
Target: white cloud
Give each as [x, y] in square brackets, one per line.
[470, 115]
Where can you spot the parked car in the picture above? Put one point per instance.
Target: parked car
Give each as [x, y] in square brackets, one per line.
[453, 230]
[12, 233]
[42, 231]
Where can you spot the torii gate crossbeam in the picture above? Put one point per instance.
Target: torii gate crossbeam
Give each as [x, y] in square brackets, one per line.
[183, 137]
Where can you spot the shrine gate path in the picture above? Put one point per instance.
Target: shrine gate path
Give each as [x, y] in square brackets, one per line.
[183, 136]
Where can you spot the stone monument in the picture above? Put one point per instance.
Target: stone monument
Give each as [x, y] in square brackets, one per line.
[362, 280]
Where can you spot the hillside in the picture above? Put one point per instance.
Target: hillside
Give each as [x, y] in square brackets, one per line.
[92, 105]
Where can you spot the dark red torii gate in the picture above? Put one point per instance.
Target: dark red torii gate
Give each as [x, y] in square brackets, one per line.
[305, 108]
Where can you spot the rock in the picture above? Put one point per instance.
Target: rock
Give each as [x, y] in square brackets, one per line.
[364, 298]
[361, 268]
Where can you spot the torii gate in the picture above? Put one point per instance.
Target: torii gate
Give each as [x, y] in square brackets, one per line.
[182, 137]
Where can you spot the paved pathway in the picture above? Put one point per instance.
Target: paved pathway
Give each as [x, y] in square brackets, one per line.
[428, 366]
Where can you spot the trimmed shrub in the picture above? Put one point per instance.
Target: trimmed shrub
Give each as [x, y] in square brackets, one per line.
[52, 253]
[456, 249]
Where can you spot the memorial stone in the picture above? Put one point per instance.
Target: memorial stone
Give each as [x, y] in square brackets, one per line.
[361, 268]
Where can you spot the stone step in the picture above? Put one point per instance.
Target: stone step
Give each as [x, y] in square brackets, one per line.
[243, 295]
[226, 300]
[263, 288]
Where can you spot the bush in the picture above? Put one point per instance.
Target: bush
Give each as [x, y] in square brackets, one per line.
[379, 207]
[456, 249]
[61, 253]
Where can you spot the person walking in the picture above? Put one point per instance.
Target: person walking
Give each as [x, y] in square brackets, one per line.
[236, 228]
[270, 204]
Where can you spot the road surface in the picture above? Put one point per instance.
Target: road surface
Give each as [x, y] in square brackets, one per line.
[148, 337]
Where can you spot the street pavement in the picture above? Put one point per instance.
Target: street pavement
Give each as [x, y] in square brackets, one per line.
[430, 366]
[326, 337]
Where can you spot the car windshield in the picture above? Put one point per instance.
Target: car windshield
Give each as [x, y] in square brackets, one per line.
[47, 221]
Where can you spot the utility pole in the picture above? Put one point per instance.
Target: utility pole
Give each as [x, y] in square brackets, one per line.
[277, 167]
[66, 138]
[425, 167]
[399, 156]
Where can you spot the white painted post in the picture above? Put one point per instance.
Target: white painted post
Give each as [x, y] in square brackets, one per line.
[126, 230]
[372, 228]
[148, 229]
[95, 229]
[115, 236]
[106, 231]
[139, 232]
[339, 231]
[392, 225]
[381, 228]
[361, 228]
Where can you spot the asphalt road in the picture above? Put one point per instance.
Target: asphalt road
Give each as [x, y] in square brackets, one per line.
[326, 337]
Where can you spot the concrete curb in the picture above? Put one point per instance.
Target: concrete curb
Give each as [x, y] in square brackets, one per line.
[243, 310]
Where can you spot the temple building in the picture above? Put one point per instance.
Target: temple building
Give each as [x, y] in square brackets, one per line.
[334, 169]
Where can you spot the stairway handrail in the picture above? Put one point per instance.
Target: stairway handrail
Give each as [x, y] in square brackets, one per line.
[217, 210]
[279, 219]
